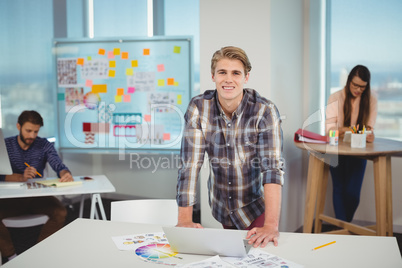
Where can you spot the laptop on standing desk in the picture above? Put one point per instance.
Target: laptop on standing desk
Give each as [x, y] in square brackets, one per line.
[207, 241]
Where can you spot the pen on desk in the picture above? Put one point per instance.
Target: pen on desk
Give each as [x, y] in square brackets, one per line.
[330, 243]
[30, 166]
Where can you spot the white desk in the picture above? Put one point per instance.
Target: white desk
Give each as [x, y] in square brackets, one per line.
[99, 184]
[88, 243]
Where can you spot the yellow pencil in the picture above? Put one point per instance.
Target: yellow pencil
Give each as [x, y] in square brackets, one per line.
[330, 243]
[29, 166]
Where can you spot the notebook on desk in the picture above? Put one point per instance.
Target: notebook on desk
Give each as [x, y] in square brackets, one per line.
[207, 241]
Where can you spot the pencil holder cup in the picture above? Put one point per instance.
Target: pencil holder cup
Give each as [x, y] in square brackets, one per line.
[347, 136]
[358, 140]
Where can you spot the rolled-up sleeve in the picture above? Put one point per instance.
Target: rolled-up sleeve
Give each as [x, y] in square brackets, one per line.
[191, 158]
[270, 147]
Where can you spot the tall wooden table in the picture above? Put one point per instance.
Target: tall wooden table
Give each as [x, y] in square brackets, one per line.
[324, 155]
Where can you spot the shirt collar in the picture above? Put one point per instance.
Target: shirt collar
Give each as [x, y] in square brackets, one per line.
[239, 109]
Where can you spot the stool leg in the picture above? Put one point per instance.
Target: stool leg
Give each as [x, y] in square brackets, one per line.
[390, 231]
[315, 168]
[322, 189]
[380, 184]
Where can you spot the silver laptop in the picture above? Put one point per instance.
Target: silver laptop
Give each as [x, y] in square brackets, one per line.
[207, 241]
[5, 166]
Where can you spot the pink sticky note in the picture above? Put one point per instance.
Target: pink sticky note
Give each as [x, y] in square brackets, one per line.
[88, 83]
[161, 68]
[127, 98]
[147, 118]
[110, 55]
[166, 136]
[131, 90]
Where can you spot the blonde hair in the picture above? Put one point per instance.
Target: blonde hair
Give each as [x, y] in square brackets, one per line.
[233, 53]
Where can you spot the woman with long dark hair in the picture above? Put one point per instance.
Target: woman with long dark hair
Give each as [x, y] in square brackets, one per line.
[354, 105]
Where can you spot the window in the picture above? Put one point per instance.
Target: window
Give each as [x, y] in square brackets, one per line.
[369, 32]
[26, 29]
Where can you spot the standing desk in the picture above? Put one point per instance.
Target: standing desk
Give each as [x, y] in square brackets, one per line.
[99, 184]
[322, 155]
[88, 243]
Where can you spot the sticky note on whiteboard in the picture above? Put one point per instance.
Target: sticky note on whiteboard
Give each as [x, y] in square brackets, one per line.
[124, 55]
[176, 49]
[161, 82]
[99, 88]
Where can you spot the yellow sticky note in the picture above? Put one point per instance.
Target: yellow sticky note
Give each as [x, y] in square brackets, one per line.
[118, 98]
[176, 49]
[170, 81]
[147, 52]
[179, 96]
[124, 55]
[129, 71]
[112, 63]
[134, 63]
[120, 91]
[176, 84]
[112, 73]
[116, 51]
[80, 61]
[161, 82]
[179, 102]
[99, 89]
[89, 58]
[101, 51]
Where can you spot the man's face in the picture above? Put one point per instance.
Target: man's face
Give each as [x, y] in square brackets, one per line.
[229, 78]
[28, 132]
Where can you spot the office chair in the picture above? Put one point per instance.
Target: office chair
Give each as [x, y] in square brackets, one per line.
[23, 221]
[150, 211]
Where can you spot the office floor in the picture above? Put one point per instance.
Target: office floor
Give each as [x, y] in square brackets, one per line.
[24, 238]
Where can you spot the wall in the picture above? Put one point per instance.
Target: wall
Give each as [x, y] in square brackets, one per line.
[272, 34]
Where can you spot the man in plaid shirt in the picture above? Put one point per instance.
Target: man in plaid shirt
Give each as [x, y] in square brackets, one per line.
[241, 133]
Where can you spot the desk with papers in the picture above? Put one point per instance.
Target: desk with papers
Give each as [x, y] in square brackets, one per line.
[89, 243]
[99, 184]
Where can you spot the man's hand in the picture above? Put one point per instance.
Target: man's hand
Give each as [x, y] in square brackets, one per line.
[29, 173]
[65, 176]
[186, 218]
[262, 235]
[189, 224]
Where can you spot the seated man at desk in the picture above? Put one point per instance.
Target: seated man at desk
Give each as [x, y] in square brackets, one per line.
[28, 156]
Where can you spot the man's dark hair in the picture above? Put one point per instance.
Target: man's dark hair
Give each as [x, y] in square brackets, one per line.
[32, 117]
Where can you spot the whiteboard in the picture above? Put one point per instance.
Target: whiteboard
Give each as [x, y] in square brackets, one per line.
[126, 94]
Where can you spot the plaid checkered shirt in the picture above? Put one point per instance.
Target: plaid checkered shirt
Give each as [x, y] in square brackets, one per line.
[244, 152]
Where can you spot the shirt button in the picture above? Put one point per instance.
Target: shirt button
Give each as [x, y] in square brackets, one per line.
[230, 182]
[229, 125]
[230, 197]
[231, 212]
[227, 144]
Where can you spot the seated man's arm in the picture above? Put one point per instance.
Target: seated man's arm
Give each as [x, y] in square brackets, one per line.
[29, 173]
[65, 176]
